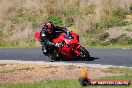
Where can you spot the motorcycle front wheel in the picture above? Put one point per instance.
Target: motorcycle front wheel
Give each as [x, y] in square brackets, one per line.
[52, 54]
[55, 58]
[84, 54]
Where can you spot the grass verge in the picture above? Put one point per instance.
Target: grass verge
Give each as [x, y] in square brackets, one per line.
[64, 84]
[73, 83]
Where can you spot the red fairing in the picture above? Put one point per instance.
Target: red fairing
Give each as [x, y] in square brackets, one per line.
[71, 44]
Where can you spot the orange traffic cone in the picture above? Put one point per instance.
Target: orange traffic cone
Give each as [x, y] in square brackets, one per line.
[84, 73]
[84, 81]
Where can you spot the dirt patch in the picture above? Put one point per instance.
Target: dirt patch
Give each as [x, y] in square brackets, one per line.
[116, 32]
[29, 73]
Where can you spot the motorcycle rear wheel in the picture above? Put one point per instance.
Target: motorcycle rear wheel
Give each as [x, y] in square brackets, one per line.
[84, 54]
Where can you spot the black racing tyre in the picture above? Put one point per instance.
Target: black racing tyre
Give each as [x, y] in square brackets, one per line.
[84, 81]
[84, 54]
[55, 57]
[52, 54]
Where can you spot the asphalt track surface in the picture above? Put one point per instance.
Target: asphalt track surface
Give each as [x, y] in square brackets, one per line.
[116, 57]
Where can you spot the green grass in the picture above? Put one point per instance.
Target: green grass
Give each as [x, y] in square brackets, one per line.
[63, 84]
[46, 84]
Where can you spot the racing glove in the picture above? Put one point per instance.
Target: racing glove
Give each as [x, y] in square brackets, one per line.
[58, 44]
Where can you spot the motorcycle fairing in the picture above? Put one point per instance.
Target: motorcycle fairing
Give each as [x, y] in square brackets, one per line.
[71, 44]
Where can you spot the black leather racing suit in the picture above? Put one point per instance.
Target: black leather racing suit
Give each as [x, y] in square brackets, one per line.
[46, 38]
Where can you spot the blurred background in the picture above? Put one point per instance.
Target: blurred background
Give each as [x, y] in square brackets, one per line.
[98, 22]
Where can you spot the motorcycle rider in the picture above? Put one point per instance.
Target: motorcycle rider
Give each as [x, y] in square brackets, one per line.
[48, 32]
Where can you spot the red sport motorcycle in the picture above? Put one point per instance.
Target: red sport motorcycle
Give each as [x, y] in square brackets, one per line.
[70, 49]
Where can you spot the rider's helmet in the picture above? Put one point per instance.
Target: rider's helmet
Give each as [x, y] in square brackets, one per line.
[48, 26]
